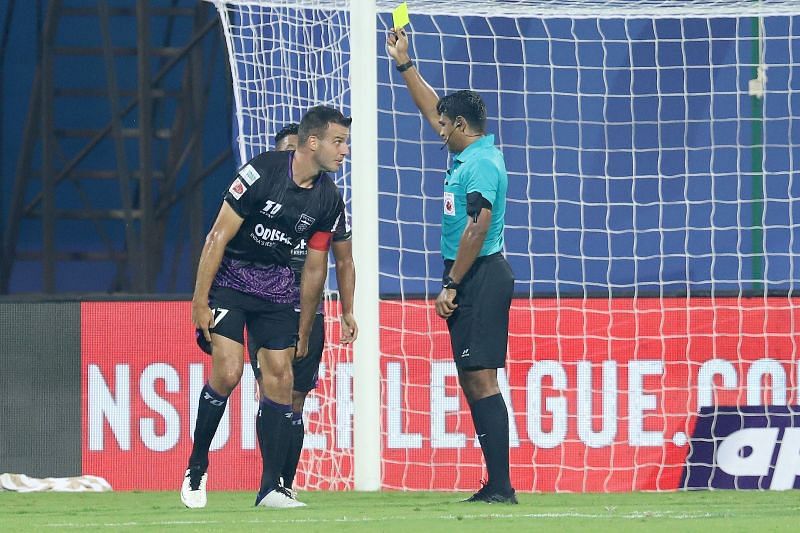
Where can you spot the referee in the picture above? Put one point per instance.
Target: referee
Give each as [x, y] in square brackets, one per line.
[478, 284]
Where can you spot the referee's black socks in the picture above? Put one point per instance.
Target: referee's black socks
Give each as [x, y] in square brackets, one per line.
[274, 424]
[210, 409]
[490, 417]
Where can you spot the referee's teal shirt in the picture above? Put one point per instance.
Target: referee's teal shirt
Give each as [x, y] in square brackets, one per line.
[479, 167]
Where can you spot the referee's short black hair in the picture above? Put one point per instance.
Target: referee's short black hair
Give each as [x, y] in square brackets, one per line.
[467, 104]
[289, 129]
[316, 121]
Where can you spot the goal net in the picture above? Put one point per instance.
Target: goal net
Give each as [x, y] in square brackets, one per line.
[652, 156]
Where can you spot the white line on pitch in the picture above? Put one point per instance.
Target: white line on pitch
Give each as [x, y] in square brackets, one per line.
[627, 516]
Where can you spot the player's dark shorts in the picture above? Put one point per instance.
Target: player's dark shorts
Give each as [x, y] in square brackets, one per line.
[479, 325]
[270, 325]
[306, 370]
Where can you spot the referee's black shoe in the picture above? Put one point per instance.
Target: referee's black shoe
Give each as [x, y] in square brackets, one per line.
[488, 494]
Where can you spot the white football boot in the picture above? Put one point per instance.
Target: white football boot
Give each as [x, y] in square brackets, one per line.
[193, 489]
[280, 498]
[292, 492]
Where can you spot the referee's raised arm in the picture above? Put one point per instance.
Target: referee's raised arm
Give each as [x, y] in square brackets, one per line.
[422, 93]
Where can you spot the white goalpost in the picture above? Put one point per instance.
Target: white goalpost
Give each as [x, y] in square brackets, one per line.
[366, 358]
[652, 149]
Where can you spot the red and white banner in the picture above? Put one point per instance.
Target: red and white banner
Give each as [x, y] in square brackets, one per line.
[603, 394]
[142, 373]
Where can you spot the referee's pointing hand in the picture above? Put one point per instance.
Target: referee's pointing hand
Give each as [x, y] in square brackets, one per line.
[445, 303]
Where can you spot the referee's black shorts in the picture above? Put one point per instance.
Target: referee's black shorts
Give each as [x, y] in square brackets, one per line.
[479, 325]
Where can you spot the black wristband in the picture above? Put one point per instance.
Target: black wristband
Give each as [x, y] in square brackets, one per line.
[449, 283]
[405, 66]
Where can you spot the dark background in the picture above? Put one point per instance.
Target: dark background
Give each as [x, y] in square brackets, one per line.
[638, 162]
[40, 380]
[22, 24]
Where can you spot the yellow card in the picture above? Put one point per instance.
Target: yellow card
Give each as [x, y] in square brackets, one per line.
[400, 16]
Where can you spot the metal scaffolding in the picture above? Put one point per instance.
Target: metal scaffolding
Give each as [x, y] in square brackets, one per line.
[113, 142]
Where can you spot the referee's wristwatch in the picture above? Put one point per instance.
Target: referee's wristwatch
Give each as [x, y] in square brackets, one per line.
[449, 283]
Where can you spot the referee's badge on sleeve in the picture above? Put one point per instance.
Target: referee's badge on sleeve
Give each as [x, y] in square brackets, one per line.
[449, 204]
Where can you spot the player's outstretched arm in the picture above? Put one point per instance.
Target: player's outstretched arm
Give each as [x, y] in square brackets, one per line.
[223, 230]
[422, 93]
[346, 280]
[315, 270]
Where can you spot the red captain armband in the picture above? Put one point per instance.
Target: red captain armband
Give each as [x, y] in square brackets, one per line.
[321, 241]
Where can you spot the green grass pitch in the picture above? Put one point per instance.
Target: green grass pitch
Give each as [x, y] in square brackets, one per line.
[407, 512]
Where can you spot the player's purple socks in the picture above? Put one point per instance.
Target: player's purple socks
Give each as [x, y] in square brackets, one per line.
[274, 423]
[490, 417]
[210, 409]
[296, 434]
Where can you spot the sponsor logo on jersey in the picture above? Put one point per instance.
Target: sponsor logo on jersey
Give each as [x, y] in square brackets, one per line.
[304, 223]
[300, 249]
[271, 208]
[269, 236]
[249, 174]
[449, 204]
[237, 188]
